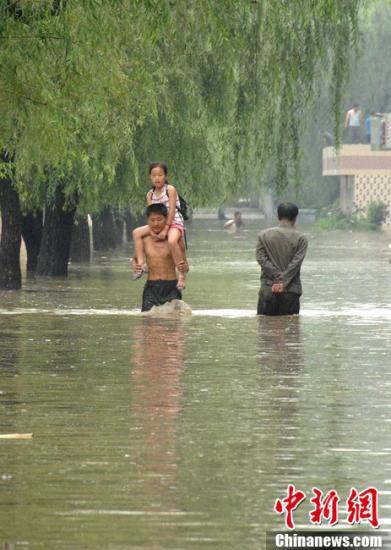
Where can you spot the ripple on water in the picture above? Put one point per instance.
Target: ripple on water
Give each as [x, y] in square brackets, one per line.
[362, 312]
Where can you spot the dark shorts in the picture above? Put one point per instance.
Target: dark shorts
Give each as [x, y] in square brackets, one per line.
[157, 293]
[287, 303]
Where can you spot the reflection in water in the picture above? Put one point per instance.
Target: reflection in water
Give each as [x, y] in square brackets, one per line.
[9, 358]
[10, 403]
[157, 357]
[279, 341]
[280, 358]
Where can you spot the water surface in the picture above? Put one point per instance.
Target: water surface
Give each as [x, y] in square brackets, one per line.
[156, 433]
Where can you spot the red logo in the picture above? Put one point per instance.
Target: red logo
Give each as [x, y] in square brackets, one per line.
[361, 507]
[326, 506]
[289, 504]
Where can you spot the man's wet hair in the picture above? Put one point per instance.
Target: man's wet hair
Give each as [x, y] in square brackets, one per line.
[157, 208]
[287, 211]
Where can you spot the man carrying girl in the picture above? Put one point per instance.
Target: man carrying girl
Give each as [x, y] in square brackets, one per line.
[174, 230]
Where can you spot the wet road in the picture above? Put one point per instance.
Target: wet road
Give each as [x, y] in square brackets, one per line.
[154, 433]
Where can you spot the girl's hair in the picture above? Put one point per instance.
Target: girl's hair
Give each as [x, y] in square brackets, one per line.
[158, 165]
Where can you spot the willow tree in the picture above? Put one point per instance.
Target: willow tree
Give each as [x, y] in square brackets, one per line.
[368, 85]
[69, 100]
[92, 90]
[369, 82]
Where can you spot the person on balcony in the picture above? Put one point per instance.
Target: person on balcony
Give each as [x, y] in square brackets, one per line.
[368, 125]
[353, 123]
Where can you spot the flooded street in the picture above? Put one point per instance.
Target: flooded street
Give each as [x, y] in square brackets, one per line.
[154, 433]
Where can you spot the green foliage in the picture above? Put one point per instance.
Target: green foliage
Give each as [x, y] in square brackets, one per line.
[367, 83]
[377, 213]
[91, 91]
[336, 219]
[339, 220]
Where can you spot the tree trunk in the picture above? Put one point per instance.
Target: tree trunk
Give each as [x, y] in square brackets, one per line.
[11, 230]
[56, 238]
[119, 230]
[81, 241]
[32, 235]
[103, 230]
[130, 224]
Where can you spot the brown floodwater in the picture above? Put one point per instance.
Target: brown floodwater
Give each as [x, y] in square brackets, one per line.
[159, 433]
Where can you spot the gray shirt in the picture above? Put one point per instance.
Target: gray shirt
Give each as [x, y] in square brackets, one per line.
[280, 253]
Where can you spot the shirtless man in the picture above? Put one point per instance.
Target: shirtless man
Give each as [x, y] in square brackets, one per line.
[236, 223]
[162, 278]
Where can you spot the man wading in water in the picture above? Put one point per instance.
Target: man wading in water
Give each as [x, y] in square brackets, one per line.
[161, 286]
[280, 253]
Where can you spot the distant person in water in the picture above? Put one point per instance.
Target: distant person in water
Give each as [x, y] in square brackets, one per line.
[174, 229]
[236, 222]
[280, 252]
[162, 283]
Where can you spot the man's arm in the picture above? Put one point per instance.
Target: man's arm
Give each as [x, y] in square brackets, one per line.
[269, 269]
[295, 263]
[137, 268]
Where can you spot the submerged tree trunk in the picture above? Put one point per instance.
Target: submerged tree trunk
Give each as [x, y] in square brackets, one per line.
[56, 237]
[103, 230]
[11, 230]
[81, 241]
[32, 235]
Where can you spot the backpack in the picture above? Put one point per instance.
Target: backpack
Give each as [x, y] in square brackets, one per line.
[184, 207]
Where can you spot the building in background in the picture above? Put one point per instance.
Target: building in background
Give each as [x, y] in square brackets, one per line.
[364, 170]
